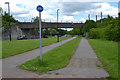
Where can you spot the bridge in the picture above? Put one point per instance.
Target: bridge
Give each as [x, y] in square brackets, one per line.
[49, 25]
[29, 28]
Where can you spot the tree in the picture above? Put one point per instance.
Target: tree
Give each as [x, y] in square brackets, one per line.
[76, 31]
[5, 20]
[62, 32]
[109, 29]
[52, 31]
[119, 25]
[35, 19]
[88, 25]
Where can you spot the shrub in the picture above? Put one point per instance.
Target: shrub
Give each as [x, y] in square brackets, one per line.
[94, 33]
[106, 33]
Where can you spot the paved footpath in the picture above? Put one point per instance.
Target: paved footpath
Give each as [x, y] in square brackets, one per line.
[82, 64]
[9, 65]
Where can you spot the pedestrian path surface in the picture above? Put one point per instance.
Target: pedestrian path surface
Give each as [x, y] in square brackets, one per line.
[9, 65]
[83, 63]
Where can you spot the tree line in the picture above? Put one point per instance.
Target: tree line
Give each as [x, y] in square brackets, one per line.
[109, 29]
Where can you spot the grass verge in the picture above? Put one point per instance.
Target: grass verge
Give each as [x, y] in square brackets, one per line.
[19, 46]
[107, 52]
[119, 59]
[54, 59]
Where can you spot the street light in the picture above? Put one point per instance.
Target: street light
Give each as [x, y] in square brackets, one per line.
[57, 26]
[101, 18]
[9, 19]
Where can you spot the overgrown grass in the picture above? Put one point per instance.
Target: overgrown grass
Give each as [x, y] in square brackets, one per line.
[19, 46]
[107, 52]
[54, 59]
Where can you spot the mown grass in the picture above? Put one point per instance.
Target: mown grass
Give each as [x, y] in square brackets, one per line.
[10, 48]
[54, 59]
[119, 60]
[0, 49]
[107, 52]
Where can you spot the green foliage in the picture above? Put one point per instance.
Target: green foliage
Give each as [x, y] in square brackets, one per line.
[52, 31]
[5, 20]
[108, 30]
[88, 25]
[62, 32]
[35, 19]
[94, 33]
[104, 33]
[107, 52]
[54, 59]
[119, 25]
[75, 31]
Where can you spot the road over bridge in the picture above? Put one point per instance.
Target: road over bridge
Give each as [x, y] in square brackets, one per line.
[29, 28]
[49, 25]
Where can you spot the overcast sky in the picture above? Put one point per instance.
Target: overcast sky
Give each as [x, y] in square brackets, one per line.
[70, 10]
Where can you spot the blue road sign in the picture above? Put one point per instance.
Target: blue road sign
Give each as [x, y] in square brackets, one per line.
[39, 8]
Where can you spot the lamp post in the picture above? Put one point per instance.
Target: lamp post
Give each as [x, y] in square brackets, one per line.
[101, 18]
[57, 26]
[96, 18]
[9, 19]
[88, 16]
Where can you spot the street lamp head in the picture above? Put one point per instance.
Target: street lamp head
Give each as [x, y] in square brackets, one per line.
[6, 2]
[58, 9]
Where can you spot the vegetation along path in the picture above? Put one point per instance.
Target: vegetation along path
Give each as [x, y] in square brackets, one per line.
[83, 63]
[9, 65]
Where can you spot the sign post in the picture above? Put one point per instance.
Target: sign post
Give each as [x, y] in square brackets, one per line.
[40, 9]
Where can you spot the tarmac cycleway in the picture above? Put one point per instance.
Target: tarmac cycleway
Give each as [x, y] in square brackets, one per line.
[82, 64]
[10, 65]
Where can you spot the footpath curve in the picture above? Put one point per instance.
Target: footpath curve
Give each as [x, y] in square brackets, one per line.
[9, 65]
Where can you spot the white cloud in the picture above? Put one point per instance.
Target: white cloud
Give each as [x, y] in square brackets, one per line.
[82, 20]
[28, 9]
[67, 18]
[74, 8]
[90, 0]
[67, 9]
[105, 8]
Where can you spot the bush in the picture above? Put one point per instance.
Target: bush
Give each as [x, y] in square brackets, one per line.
[88, 25]
[94, 33]
[106, 33]
[108, 30]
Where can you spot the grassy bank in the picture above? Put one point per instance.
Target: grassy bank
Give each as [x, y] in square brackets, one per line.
[54, 59]
[19, 46]
[107, 52]
[0, 49]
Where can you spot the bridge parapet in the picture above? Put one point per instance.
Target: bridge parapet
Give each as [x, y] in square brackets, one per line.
[49, 25]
